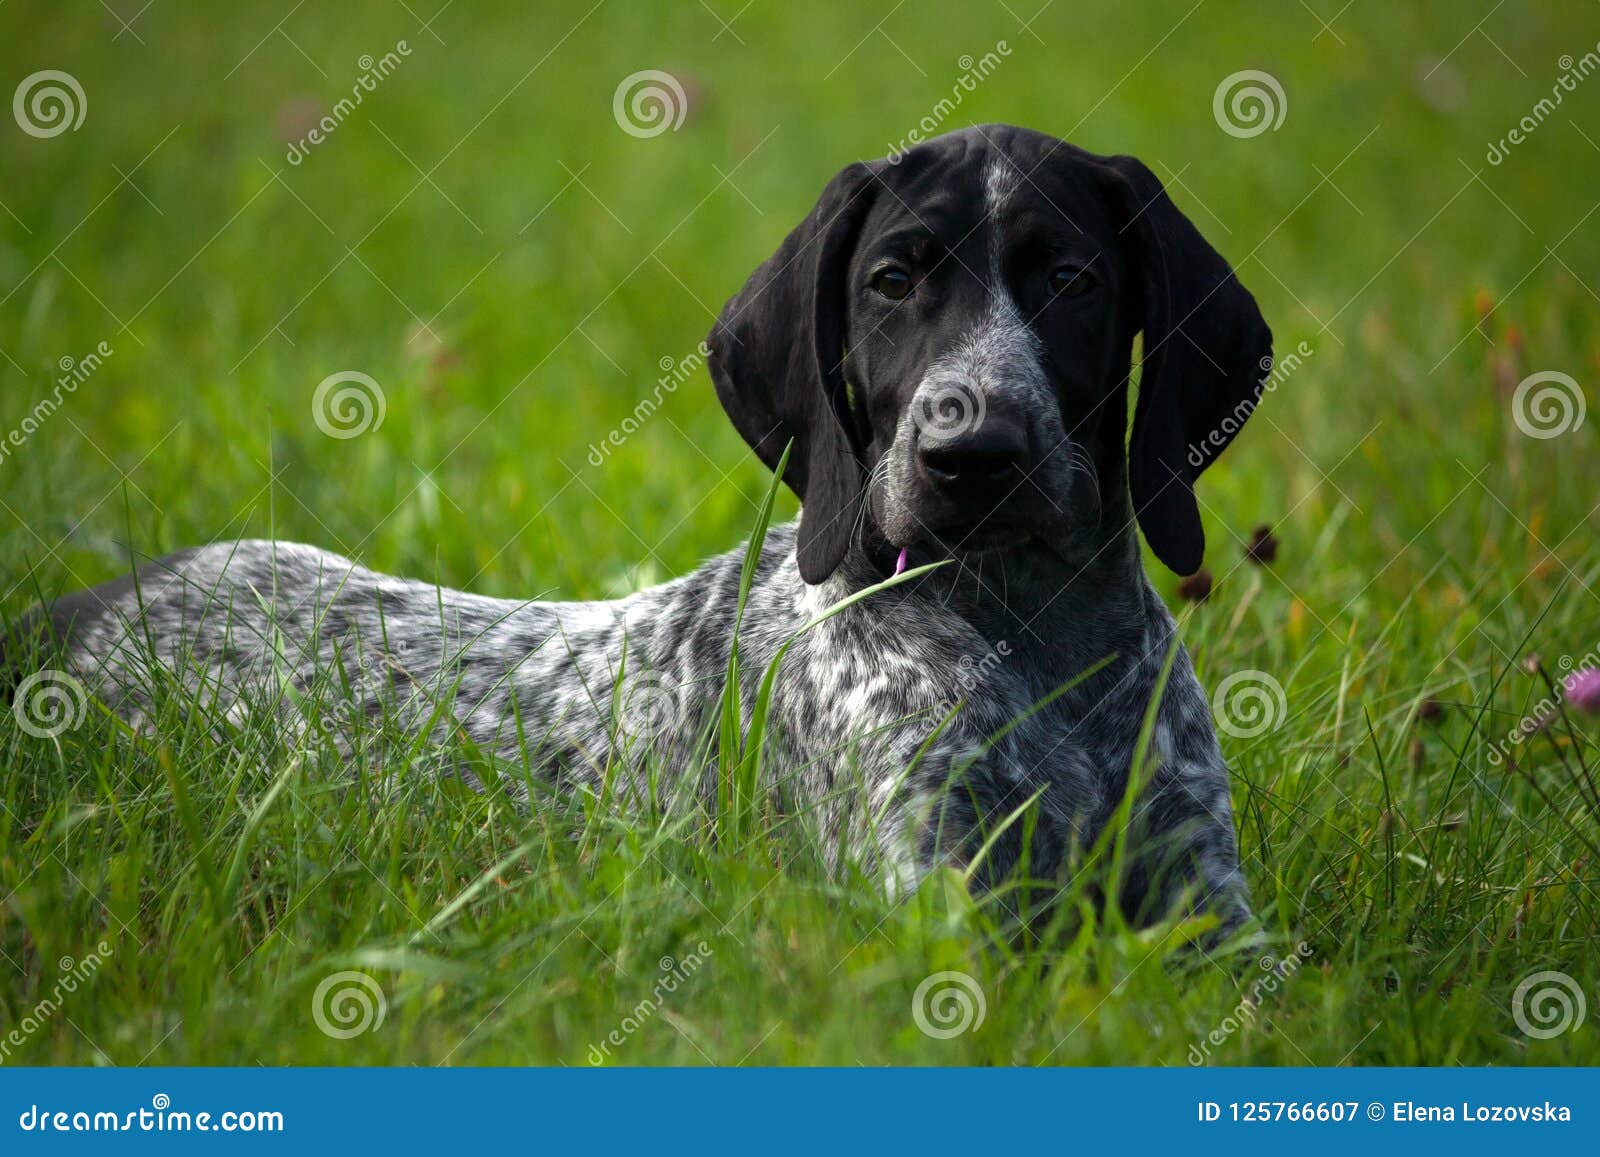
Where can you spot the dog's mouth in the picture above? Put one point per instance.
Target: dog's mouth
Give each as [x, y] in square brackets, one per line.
[984, 536]
[915, 507]
[972, 532]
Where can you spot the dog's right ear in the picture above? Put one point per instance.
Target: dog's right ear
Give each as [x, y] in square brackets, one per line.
[777, 360]
[1207, 355]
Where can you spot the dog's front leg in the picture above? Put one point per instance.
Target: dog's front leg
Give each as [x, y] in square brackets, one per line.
[1186, 853]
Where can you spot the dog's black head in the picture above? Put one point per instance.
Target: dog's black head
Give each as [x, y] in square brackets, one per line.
[946, 339]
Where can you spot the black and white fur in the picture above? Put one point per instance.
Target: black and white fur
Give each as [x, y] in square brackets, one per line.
[880, 395]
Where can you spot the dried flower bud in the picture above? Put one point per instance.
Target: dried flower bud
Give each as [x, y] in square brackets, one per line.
[1196, 588]
[1263, 545]
[1483, 306]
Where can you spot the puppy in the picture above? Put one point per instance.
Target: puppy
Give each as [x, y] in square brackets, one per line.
[943, 346]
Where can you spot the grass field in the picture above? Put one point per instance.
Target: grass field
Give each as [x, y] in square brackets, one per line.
[482, 238]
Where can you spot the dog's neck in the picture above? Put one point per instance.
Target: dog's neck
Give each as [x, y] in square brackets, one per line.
[1063, 599]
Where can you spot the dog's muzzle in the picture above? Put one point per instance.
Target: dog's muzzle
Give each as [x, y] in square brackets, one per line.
[985, 462]
[971, 452]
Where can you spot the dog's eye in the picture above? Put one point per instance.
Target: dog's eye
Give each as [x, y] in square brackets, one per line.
[892, 283]
[1070, 281]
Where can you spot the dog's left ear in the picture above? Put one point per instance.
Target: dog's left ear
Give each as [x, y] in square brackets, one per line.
[1207, 356]
[777, 360]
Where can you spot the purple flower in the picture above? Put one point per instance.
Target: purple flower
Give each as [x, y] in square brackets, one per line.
[900, 563]
[1582, 690]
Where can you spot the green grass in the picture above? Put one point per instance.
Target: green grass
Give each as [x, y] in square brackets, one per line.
[515, 307]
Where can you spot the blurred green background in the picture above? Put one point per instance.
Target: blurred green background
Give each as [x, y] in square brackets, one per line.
[483, 239]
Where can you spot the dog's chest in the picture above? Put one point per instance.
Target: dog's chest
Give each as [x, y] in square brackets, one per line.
[939, 692]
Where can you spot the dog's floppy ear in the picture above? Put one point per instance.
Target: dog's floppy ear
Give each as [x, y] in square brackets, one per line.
[777, 353]
[1207, 355]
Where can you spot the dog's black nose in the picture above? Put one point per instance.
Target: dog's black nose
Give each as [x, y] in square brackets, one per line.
[992, 455]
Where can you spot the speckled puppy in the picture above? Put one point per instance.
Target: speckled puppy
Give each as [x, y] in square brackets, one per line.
[946, 342]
